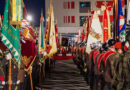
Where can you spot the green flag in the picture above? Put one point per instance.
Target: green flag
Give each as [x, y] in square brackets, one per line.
[41, 35]
[10, 36]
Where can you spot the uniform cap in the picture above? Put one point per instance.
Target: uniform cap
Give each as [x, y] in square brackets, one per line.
[111, 42]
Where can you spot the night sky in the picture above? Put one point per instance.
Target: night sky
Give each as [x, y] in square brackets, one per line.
[33, 8]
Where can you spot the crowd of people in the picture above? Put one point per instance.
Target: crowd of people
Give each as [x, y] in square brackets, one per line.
[107, 66]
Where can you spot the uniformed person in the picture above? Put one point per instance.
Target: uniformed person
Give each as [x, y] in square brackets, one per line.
[117, 68]
[108, 59]
[126, 66]
[101, 67]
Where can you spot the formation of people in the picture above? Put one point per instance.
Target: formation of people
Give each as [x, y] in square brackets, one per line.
[107, 66]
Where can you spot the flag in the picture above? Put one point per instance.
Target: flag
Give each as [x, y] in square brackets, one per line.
[128, 14]
[83, 35]
[87, 30]
[10, 36]
[28, 53]
[17, 10]
[115, 14]
[120, 23]
[57, 38]
[24, 10]
[95, 32]
[60, 40]
[79, 35]
[52, 37]
[41, 36]
[106, 25]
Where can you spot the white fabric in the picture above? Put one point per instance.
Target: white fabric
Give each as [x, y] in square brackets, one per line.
[95, 26]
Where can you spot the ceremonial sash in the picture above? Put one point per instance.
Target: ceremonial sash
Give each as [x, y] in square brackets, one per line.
[90, 56]
[107, 54]
[94, 56]
[99, 60]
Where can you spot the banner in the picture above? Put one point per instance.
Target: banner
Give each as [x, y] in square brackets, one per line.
[106, 26]
[28, 53]
[41, 35]
[17, 10]
[52, 39]
[10, 36]
[121, 26]
[95, 33]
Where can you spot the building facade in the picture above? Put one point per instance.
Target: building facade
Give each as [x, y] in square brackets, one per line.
[71, 14]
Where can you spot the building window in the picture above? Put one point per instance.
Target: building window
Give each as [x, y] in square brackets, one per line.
[68, 19]
[72, 19]
[72, 5]
[82, 20]
[85, 7]
[68, 5]
[65, 19]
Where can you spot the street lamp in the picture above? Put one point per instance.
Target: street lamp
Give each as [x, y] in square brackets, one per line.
[29, 18]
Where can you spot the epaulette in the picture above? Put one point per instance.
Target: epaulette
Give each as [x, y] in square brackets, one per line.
[107, 55]
[99, 59]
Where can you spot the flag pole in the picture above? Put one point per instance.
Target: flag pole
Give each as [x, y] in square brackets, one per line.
[31, 79]
[9, 74]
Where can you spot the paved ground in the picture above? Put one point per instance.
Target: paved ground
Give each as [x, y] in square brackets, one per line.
[65, 76]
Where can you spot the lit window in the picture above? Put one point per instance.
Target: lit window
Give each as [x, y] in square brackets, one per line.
[85, 7]
[82, 20]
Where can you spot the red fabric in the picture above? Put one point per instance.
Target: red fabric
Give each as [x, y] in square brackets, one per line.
[94, 56]
[90, 55]
[63, 51]
[48, 48]
[57, 38]
[92, 12]
[62, 57]
[83, 35]
[107, 54]
[83, 49]
[118, 45]
[125, 48]
[101, 3]
[101, 18]
[1, 78]
[29, 51]
[105, 27]
[99, 59]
